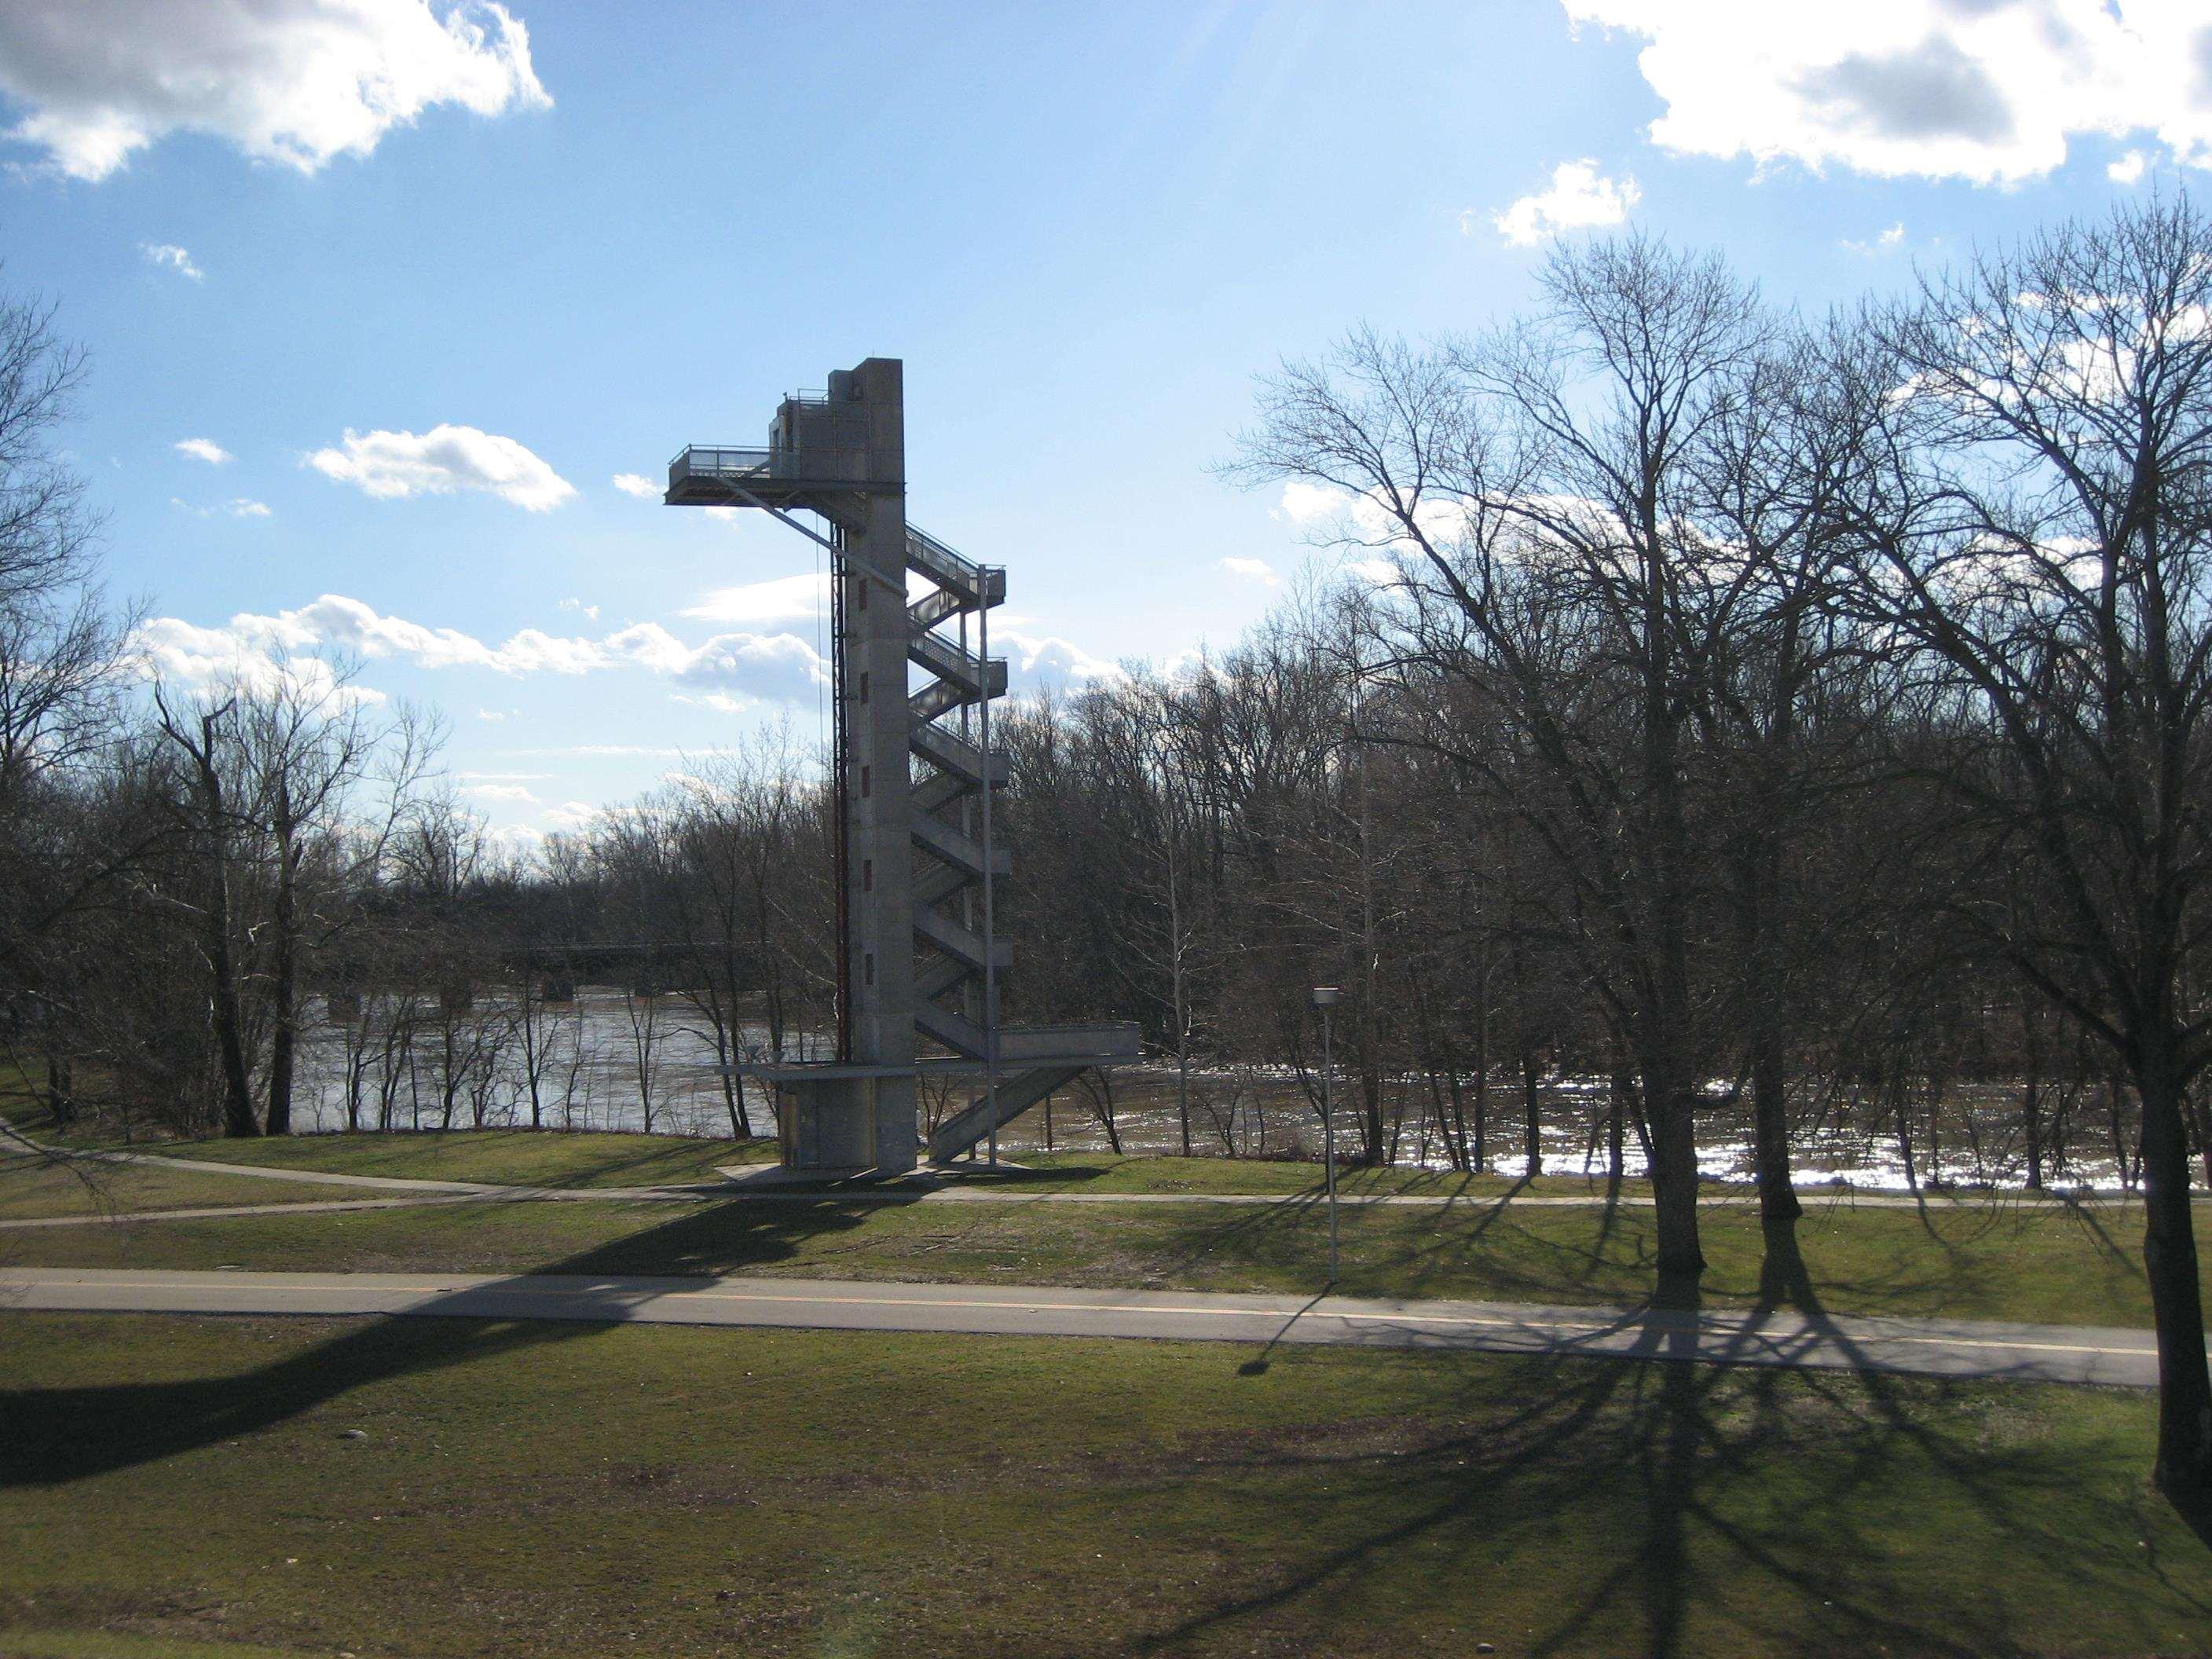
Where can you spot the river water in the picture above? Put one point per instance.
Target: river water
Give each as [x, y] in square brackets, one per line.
[408, 1061]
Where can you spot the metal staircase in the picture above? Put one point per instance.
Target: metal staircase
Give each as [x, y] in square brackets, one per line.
[955, 984]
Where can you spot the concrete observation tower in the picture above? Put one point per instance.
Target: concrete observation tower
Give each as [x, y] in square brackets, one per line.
[919, 958]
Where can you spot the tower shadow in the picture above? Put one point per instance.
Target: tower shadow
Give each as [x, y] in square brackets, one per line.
[50, 1436]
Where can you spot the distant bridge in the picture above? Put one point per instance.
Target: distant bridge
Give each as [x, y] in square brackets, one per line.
[651, 965]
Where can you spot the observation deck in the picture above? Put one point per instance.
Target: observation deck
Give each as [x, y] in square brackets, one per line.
[722, 475]
[821, 453]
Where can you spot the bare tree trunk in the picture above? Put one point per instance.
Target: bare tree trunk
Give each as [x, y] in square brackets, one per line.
[2031, 1105]
[284, 967]
[226, 1014]
[2185, 1394]
[61, 1095]
[1670, 1094]
[1616, 1122]
[1532, 1125]
[741, 1122]
[1669, 1105]
[239, 1120]
[1182, 995]
[230, 1018]
[1478, 1154]
[1769, 1066]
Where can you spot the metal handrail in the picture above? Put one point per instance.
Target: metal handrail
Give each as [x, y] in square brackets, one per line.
[933, 551]
[722, 457]
[944, 658]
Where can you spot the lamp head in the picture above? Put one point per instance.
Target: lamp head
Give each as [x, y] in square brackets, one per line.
[1327, 996]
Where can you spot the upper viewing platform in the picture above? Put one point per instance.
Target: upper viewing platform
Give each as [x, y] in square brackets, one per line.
[710, 475]
[823, 449]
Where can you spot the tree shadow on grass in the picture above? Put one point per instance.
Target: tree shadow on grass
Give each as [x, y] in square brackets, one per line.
[1272, 1235]
[49, 1436]
[1677, 1452]
[1389, 1253]
[1719, 1508]
[2108, 1248]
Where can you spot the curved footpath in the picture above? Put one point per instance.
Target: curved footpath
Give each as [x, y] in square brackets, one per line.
[759, 1183]
[1953, 1348]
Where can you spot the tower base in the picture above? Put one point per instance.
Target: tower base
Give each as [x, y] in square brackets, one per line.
[846, 1118]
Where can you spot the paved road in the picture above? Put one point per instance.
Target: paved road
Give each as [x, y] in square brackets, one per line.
[1957, 1348]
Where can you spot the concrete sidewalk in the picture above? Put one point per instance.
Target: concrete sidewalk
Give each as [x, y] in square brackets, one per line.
[1954, 1348]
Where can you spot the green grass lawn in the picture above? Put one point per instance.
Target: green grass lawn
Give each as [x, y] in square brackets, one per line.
[596, 1159]
[521, 1158]
[33, 1186]
[1999, 1262]
[541, 1489]
[113, 1644]
[1994, 1258]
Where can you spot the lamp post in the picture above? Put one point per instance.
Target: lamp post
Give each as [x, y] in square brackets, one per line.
[1325, 997]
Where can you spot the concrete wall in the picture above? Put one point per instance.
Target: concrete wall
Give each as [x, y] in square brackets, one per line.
[879, 860]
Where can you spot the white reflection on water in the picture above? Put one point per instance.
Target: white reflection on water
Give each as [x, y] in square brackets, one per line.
[594, 1050]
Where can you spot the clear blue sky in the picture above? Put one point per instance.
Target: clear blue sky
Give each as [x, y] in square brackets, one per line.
[590, 233]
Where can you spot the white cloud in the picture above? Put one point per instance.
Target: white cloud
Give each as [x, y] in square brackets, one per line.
[238, 506]
[349, 625]
[202, 449]
[293, 82]
[496, 716]
[754, 665]
[439, 462]
[502, 777]
[1580, 199]
[637, 484]
[1309, 503]
[173, 651]
[720, 702]
[1331, 515]
[498, 792]
[656, 753]
[2128, 169]
[770, 666]
[1991, 91]
[590, 612]
[1258, 570]
[782, 599]
[570, 815]
[1887, 242]
[163, 254]
[1049, 657]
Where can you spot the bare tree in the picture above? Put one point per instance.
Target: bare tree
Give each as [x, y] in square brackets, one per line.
[308, 743]
[201, 735]
[2034, 512]
[61, 668]
[1536, 484]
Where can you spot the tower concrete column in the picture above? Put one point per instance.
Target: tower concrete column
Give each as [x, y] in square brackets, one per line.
[878, 855]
